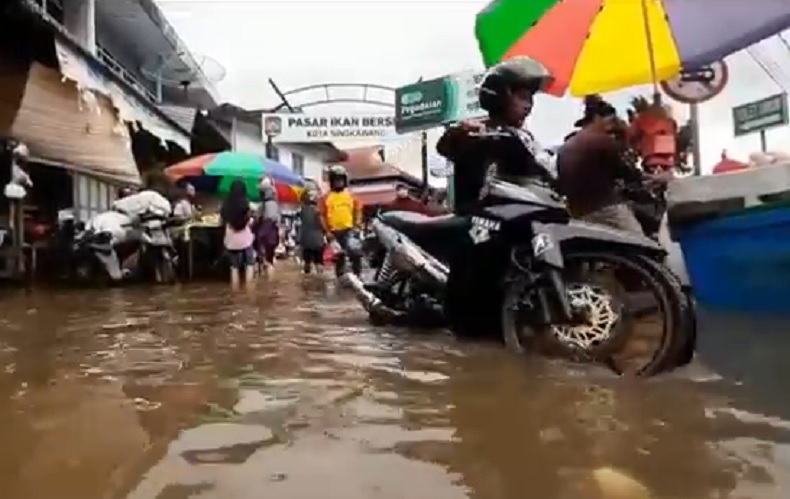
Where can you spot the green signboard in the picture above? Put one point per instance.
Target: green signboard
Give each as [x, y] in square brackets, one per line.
[760, 115]
[431, 103]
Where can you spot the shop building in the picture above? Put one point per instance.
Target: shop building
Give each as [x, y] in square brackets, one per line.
[74, 89]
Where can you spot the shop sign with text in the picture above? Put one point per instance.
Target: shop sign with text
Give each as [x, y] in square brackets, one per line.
[431, 103]
[336, 127]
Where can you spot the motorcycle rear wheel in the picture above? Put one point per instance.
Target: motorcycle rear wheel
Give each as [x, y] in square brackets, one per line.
[612, 336]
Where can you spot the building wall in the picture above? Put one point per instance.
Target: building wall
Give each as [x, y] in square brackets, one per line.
[311, 160]
[302, 159]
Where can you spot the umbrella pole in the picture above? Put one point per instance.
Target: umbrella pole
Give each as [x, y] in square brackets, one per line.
[651, 53]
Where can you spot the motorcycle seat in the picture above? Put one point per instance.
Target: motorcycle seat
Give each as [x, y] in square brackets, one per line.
[417, 225]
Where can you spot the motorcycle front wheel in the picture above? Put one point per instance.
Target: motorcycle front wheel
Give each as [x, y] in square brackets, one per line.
[165, 270]
[629, 317]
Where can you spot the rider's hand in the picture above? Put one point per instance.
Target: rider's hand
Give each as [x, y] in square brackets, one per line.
[471, 126]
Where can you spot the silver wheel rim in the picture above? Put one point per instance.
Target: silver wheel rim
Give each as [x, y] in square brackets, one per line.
[603, 318]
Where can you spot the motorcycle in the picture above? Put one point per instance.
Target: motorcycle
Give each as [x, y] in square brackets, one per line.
[96, 255]
[129, 241]
[524, 269]
[157, 254]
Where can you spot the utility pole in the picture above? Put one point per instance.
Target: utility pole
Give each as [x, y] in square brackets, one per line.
[270, 136]
[424, 158]
[696, 147]
[424, 155]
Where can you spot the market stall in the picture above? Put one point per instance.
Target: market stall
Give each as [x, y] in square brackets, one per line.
[214, 173]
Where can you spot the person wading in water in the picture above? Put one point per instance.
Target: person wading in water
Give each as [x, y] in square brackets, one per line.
[341, 217]
[267, 227]
[311, 233]
[239, 240]
[507, 95]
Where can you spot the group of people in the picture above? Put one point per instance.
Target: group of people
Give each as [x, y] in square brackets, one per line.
[251, 237]
[592, 165]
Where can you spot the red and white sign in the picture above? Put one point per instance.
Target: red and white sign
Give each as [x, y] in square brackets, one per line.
[697, 86]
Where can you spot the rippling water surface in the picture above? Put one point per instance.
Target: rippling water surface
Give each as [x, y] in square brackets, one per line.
[287, 393]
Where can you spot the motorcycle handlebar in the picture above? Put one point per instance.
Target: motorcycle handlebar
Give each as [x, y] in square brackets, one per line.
[493, 133]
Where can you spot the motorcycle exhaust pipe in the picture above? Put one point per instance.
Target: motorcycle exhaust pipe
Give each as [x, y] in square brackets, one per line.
[368, 300]
[408, 257]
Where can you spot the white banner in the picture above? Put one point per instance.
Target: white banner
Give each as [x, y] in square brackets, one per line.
[335, 127]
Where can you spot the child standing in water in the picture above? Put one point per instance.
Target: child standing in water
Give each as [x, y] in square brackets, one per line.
[239, 238]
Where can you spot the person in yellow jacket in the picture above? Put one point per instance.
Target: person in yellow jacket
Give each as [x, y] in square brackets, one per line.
[341, 217]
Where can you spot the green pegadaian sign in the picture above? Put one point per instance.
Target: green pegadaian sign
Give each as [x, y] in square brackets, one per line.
[431, 103]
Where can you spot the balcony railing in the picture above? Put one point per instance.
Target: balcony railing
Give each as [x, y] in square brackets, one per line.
[121, 72]
[53, 11]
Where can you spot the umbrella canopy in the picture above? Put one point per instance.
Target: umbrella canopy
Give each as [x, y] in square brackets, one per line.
[215, 172]
[596, 46]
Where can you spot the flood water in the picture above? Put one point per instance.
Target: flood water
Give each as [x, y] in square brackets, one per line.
[287, 393]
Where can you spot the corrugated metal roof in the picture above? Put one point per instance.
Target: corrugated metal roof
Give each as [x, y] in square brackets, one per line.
[184, 116]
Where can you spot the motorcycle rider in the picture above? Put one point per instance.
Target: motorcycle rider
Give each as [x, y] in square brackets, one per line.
[341, 217]
[592, 167]
[507, 95]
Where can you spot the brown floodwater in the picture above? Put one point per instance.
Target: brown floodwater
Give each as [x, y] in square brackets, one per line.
[287, 393]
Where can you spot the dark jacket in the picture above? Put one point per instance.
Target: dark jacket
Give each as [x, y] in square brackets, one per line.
[311, 232]
[590, 166]
[469, 163]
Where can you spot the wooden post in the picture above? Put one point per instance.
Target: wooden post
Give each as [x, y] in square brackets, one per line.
[18, 241]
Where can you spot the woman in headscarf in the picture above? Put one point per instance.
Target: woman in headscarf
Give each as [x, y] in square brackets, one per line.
[267, 231]
[239, 239]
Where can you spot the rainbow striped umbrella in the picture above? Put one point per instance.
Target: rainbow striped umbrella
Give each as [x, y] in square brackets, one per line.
[215, 173]
[596, 46]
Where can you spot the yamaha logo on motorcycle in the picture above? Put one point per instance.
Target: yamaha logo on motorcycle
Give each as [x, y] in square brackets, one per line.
[482, 228]
[486, 223]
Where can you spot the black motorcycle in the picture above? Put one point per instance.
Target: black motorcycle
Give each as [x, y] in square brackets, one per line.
[525, 271]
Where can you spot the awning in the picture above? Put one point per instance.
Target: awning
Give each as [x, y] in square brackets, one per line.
[80, 132]
[77, 68]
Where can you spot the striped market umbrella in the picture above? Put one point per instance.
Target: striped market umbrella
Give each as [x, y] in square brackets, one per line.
[216, 172]
[596, 46]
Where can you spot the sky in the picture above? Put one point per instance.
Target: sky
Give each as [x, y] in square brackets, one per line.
[395, 42]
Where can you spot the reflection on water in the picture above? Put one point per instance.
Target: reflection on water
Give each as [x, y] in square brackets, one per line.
[196, 392]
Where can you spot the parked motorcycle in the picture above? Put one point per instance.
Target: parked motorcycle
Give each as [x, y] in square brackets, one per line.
[524, 270]
[97, 256]
[131, 241]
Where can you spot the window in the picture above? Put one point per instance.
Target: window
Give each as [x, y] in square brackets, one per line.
[91, 197]
[297, 161]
